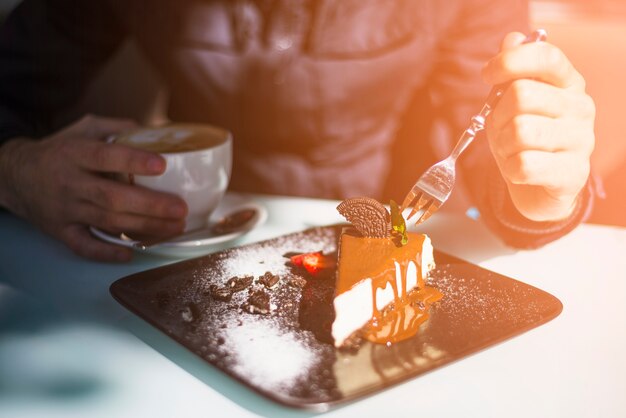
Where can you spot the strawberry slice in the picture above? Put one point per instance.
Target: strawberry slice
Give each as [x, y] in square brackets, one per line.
[312, 262]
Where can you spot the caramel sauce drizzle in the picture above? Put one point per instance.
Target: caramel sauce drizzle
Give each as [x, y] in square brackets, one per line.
[409, 309]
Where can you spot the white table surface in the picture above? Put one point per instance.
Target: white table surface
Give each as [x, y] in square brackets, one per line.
[67, 349]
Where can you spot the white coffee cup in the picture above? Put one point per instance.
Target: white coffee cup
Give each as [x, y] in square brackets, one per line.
[199, 162]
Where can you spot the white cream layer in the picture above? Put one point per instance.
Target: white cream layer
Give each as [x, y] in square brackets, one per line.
[354, 308]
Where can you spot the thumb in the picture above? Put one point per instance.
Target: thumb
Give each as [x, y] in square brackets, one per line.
[511, 40]
[493, 67]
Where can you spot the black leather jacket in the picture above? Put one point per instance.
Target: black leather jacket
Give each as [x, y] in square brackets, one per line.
[324, 97]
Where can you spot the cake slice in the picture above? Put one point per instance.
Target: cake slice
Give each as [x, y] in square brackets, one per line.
[376, 279]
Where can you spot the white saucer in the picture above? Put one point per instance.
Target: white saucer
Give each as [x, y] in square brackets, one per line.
[199, 242]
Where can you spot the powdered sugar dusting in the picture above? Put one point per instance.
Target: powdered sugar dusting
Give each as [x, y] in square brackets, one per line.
[267, 351]
[267, 355]
[484, 299]
[256, 260]
[270, 352]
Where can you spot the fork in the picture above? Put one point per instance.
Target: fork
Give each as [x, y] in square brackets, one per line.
[434, 187]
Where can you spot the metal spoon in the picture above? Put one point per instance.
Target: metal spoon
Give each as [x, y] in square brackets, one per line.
[236, 221]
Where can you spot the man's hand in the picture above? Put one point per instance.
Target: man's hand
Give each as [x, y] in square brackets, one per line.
[61, 184]
[541, 132]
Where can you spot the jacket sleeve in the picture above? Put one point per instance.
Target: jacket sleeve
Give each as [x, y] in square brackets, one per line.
[459, 93]
[501, 216]
[49, 51]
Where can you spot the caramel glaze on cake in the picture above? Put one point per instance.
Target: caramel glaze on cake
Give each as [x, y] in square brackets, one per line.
[388, 270]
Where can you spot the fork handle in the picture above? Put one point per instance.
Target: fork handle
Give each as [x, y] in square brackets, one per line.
[478, 120]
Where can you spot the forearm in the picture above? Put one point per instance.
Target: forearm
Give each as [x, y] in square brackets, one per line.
[12, 160]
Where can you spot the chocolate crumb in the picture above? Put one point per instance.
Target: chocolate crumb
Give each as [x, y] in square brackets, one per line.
[220, 293]
[258, 303]
[237, 284]
[268, 280]
[187, 314]
[252, 309]
[297, 282]
[290, 254]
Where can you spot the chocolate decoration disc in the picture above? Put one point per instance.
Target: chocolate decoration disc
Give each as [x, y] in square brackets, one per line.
[367, 215]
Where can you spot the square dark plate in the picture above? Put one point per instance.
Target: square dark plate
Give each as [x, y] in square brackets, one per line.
[288, 355]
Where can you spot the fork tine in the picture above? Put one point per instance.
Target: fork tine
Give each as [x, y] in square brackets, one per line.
[410, 197]
[428, 210]
[422, 201]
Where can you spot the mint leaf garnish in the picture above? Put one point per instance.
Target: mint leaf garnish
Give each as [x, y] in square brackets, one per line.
[398, 225]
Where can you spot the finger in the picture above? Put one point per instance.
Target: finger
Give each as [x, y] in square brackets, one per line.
[100, 128]
[115, 158]
[540, 133]
[539, 60]
[564, 172]
[82, 243]
[116, 196]
[534, 97]
[117, 222]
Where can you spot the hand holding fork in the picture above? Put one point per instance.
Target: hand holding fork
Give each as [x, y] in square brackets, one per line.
[434, 187]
